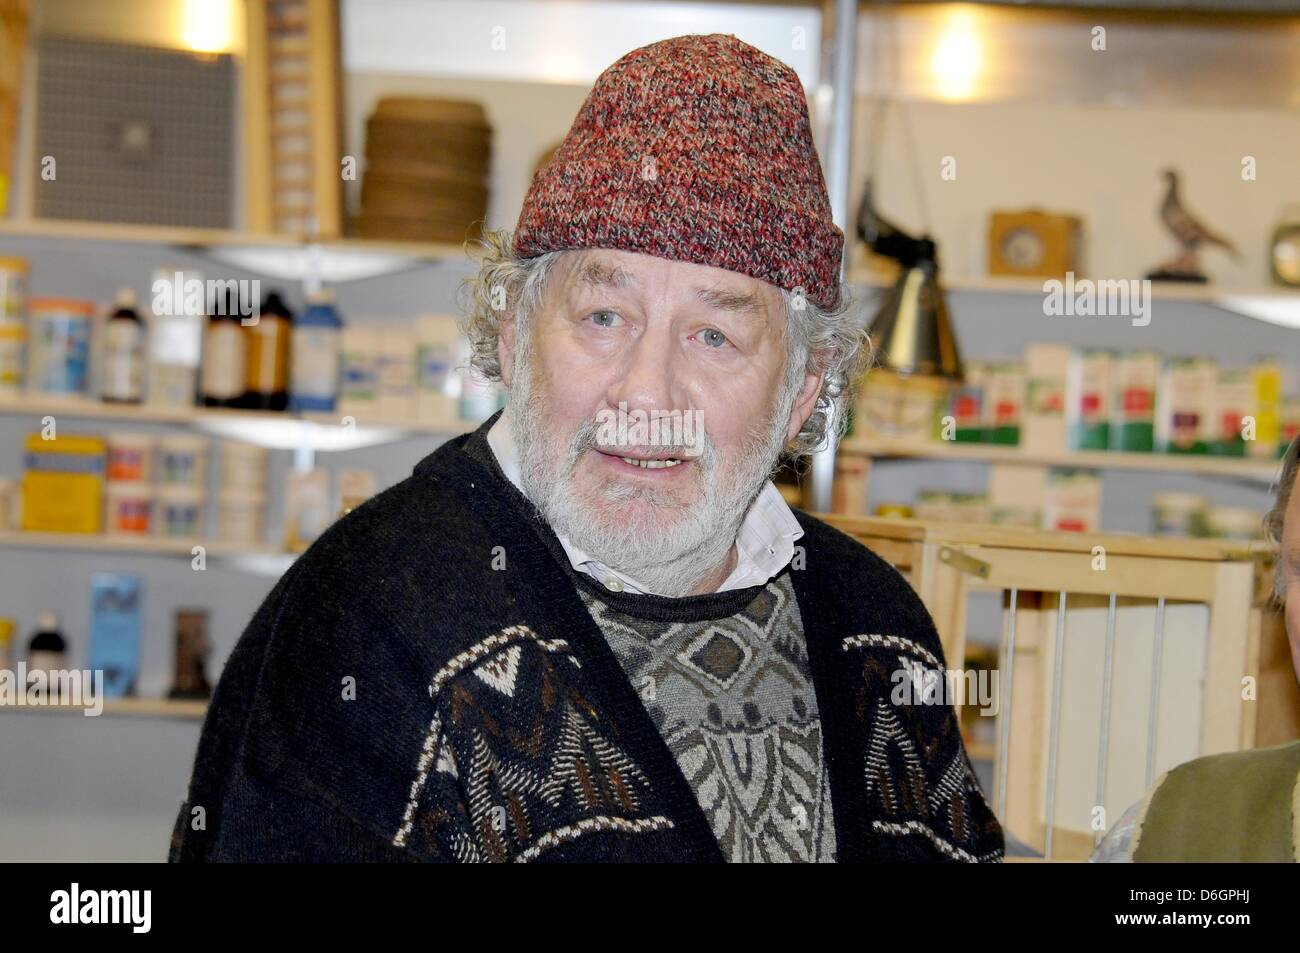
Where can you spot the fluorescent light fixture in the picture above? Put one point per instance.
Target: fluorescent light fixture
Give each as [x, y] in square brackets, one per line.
[1280, 309]
[561, 41]
[273, 565]
[295, 433]
[313, 262]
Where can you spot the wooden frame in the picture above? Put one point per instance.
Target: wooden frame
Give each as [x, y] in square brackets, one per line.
[319, 174]
[944, 562]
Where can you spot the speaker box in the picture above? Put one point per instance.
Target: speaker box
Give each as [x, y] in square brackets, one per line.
[136, 134]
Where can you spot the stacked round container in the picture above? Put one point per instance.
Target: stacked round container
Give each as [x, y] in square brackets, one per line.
[13, 326]
[129, 495]
[182, 486]
[241, 499]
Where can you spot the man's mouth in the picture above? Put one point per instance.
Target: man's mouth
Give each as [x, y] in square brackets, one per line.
[651, 464]
[643, 463]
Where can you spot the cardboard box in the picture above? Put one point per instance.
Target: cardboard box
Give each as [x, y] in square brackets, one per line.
[116, 619]
[437, 385]
[1004, 400]
[1133, 410]
[359, 356]
[1088, 399]
[63, 485]
[1233, 402]
[1266, 383]
[1046, 370]
[1184, 401]
[397, 367]
[966, 403]
[1073, 501]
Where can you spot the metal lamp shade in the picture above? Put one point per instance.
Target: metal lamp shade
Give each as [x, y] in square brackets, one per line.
[912, 332]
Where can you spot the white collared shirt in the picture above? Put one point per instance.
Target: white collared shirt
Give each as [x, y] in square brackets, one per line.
[764, 542]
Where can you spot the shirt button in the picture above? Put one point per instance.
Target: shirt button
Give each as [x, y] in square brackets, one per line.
[614, 584]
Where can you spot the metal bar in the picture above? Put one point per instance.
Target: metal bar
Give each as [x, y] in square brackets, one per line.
[1055, 736]
[837, 162]
[1154, 718]
[1004, 709]
[1103, 744]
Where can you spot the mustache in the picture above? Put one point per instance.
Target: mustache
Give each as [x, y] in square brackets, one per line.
[587, 437]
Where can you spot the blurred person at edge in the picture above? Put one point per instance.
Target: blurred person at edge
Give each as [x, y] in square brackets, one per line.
[572, 639]
[1243, 805]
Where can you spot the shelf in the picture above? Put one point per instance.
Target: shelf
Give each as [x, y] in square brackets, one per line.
[258, 560]
[1160, 290]
[288, 257]
[133, 707]
[147, 545]
[286, 431]
[1272, 304]
[879, 446]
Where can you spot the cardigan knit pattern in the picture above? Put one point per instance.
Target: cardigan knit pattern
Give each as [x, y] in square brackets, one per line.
[426, 683]
[734, 700]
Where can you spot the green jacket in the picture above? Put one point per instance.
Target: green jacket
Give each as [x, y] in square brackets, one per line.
[1240, 806]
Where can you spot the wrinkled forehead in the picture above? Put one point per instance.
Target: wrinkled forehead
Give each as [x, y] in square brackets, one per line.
[592, 271]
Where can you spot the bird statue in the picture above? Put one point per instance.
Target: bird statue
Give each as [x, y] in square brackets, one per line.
[1189, 233]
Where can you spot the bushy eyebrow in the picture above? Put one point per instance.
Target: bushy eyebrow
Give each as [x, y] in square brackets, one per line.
[594, 273]
[742, 302]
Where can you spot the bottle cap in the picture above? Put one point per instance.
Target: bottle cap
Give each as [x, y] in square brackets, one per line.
[274, 304]
[125, 298]
[47, 621]
[323, 296]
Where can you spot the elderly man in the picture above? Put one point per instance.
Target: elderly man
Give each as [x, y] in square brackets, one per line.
[1241, 806]
[593, 630]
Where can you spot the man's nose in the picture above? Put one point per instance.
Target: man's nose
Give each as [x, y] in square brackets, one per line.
[649, 373]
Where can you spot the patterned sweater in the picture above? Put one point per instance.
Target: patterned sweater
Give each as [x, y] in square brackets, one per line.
[428, 683]
[733, 698]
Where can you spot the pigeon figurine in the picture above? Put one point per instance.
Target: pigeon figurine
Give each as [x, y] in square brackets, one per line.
[1189, 233]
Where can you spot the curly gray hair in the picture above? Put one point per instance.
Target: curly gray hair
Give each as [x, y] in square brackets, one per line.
[832, 341]
[1273, 521]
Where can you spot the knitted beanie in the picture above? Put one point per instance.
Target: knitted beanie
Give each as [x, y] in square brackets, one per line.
[695, 149]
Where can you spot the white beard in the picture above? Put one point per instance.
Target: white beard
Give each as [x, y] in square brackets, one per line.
[670, 560]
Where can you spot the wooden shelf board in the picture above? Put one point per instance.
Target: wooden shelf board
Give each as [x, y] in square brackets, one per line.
[215, 237]
[144, 545]
[1195, 549]
[1005, 284]
[887, 447]
[217, 418]
[133, 707]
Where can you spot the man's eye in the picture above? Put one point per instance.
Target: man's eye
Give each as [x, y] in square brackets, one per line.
[713, 337]
[604, 319]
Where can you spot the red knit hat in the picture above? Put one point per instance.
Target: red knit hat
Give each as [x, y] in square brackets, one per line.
[695, 149]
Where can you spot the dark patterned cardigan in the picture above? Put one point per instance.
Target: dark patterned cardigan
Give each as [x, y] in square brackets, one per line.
[426, 684]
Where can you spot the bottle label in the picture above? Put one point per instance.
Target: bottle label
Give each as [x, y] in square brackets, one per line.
[223, 360]
[315, 362]
[124, 360]
[268, 356]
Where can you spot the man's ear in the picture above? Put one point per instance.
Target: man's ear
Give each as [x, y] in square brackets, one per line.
[804, 404]
[506, 349]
